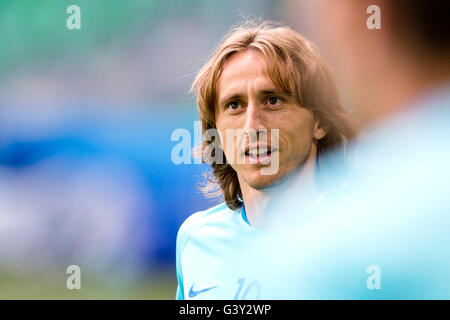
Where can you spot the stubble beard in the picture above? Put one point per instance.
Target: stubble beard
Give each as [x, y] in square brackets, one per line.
[283, 179]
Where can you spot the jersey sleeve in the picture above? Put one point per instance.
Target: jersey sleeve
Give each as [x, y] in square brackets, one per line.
[179, 249]
[182, 238]
[180, 292]
[189, 227]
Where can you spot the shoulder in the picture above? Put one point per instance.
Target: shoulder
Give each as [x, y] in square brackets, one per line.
[199, 220]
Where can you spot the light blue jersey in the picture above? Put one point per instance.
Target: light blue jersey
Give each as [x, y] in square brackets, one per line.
[212, 248]
[221, 256]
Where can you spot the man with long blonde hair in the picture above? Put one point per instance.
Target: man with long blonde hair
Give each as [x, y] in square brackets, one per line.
[273, 103]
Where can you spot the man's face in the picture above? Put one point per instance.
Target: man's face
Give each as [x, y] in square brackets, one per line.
[248, 100]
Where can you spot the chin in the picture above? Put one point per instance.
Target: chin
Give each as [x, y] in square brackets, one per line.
[261, 182]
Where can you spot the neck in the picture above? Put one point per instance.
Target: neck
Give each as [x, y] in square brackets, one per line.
[257, 200]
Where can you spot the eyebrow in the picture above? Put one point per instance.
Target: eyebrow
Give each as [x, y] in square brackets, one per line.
[274, 92]
[226, 99]
[265, 92]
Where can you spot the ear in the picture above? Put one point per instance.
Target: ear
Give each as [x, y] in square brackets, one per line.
[320, 130]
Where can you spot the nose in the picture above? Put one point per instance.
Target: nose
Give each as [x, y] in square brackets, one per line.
[254, 122]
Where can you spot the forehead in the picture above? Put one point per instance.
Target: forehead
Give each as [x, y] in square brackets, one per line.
[240, 70]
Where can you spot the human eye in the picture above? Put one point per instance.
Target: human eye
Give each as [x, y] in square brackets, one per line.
[274, 101]
[233, 105]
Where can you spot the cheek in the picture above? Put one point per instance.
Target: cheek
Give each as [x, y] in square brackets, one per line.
[297, 136]
[222, 129]
[222, 141]
[234, 140]
[220, 126]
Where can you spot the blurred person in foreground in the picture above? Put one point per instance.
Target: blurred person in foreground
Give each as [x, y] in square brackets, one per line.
[262, 77]
[389, 236]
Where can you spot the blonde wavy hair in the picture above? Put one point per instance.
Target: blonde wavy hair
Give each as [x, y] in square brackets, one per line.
[294, 66]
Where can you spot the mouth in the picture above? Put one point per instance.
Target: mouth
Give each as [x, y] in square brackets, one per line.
[259, 154]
